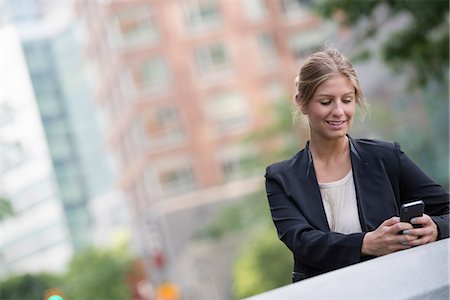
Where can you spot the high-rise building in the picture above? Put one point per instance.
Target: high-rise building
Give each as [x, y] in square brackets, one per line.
[53, 51]
[182, 82]
[37, 236]
[80, 177]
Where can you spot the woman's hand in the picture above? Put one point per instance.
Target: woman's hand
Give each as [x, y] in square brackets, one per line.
[386, 238]
[427, 234]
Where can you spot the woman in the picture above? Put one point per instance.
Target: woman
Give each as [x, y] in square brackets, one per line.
[336, 202]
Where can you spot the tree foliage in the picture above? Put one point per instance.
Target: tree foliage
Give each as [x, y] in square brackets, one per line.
[264, 264]
[421, 43]
[6, 209]
[418, 46]
[28, 286]
[98, 274]
[237, 217]
[92, 274]
[283, 130]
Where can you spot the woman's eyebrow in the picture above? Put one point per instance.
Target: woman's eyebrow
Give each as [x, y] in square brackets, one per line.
[328, 95]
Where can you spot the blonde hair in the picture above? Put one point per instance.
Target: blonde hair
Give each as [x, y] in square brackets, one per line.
[319, 67]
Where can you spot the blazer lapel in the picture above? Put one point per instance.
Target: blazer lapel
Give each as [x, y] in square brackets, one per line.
[310, 199]
[362, 185]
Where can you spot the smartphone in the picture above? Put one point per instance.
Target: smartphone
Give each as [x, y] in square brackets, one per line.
[411, 210]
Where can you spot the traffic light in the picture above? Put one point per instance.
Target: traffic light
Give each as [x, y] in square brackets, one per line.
[167, 291]
[54, 294]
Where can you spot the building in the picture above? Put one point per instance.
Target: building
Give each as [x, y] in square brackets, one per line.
[182, 82]
[71, 169]
[37, 237]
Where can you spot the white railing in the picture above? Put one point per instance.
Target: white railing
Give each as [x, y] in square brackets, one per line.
[418, 273]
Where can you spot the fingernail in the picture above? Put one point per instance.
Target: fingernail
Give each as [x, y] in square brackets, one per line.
[404, 242]
[398, 219]
[413, 221]
[405, 231]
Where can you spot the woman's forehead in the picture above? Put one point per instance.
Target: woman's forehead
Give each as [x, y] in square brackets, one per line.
[336, 83]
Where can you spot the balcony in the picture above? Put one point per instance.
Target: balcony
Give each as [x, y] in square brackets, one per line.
[417, 273]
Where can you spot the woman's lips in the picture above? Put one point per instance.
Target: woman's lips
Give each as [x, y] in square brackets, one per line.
[336, 124]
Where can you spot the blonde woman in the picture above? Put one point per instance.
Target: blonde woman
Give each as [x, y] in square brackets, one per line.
[336, 202]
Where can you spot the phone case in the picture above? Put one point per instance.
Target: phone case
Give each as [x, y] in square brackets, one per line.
[411, 210]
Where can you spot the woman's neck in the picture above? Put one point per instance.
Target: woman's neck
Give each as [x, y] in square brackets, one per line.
[328, 150]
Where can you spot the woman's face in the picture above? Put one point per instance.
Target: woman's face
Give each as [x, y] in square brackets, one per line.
[332, 107]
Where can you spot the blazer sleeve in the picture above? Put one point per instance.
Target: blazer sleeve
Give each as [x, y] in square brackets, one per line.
[313, 247]
[416, 184]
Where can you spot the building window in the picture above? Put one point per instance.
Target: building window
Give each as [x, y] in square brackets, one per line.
[128, 148]
[103, 54]
[161, 126]
[212, 60]
[151, 181]
[124, 152]
[70, 191]
[303, 44]
[137, 25]
[41, 239]
[228, 111]
[234, 161]
[8, 112]
[79, 223]
[13, 155]
[201, 15]
[268, 50]
[60, 147]
[292, 9]
[59, 141]
[114, 107]
[276, 91]
[255, 9]
[38, 57]
[142, 197]
[40, 191]
[175, 175]
[49, 104]
[151, 75]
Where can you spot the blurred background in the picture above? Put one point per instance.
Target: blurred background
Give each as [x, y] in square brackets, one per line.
[135, 134]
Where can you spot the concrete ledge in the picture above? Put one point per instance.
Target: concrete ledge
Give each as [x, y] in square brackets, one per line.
[418, 273]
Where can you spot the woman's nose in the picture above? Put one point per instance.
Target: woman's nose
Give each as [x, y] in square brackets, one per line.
[338, 110]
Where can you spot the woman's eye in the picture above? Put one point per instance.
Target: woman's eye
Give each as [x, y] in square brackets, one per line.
[346, 100]
[325, 102]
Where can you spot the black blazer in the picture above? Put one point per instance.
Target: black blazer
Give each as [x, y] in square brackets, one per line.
[384, 179]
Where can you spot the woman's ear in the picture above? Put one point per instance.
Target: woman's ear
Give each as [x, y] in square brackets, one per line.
[303, 108]
[301, 105]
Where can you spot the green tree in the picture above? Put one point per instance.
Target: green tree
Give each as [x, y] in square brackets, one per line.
[28, 286]
[264, 264]
[6, 209]
[418, 47]
[421, 43]
[237, 217]
[98, 274]
[263, 261]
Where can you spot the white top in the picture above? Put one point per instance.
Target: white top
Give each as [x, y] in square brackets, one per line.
[339, 201]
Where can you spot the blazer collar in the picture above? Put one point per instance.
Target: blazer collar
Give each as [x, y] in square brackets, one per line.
[311, 187]
[354, 153]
